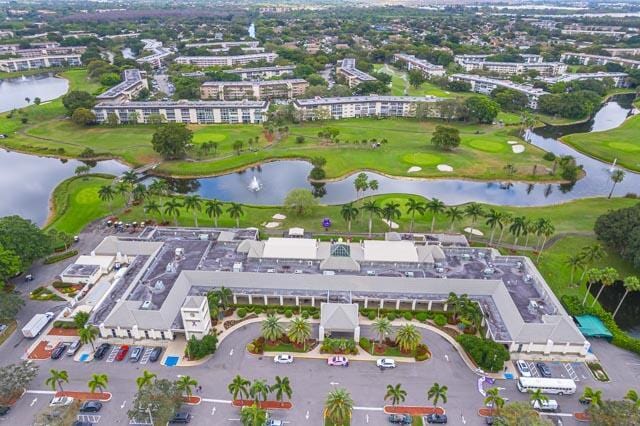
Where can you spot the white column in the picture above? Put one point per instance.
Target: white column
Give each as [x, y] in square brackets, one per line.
[297, 301]
[366, 302]
[430, 303]
[321, 333]
[235, 299]
[250, 300]
[356, 334]
[266, 300]
[413, 305]
[381, 303]
[445, 307]
[313, 301]
[397, 304]
[281, 300]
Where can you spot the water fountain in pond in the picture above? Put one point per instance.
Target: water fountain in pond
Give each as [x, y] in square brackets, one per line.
[23, 78]
[255, 185]
[613, 165]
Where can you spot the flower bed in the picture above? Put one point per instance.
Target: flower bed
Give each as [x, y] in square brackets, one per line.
[43, 293]
[338, 347]
[582, 417]
[192, 400]
[266, 405]
[389, 348]
[598, 372]
[486, 412]
[86, 396]
[413, 410]
[230, 323]
[259, 346]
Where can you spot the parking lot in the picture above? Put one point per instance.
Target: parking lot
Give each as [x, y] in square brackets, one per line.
[576, 371]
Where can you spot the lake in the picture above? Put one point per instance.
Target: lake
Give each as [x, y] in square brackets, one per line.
[13, 91]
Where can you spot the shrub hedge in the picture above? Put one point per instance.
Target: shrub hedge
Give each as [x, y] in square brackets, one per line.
[65, 324]
[440, 320]
[487, 354]
[242, 312]
[58, 257]
[197, 349]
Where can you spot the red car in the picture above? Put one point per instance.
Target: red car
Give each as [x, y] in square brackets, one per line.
[122, 352]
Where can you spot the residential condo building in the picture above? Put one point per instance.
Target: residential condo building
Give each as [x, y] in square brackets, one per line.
[514, 68]
[487, 85]
[258, 90]
[132, 83]
[353, 76]
[225, 61]
[263, 73]
[44, 61]
[427, 68]
[360, 106]
[619, 78]
[586, 59]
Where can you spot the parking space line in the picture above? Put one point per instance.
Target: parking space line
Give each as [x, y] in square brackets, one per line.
[533, 369]
[369, 408]
[146, 355]
[113, 353]
[571, 372]
[88, 418]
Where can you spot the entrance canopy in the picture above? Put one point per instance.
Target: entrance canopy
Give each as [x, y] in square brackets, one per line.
[339, 317]
[591, 326]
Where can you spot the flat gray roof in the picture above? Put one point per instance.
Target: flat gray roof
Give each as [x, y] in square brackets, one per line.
[370, 98]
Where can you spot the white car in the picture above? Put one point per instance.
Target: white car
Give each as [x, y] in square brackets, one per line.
[523, 367]
[386, 363]
[283, 359]
[60, 401]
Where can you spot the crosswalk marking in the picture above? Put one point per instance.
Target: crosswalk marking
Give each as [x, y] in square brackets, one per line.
[88, 418]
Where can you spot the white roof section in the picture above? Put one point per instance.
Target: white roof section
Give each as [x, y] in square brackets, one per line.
[105, 262]
[390, 251]
[291, 248]
[339, 316]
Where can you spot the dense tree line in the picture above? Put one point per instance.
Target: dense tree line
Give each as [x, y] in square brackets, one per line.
[578, 104]
[620, 230]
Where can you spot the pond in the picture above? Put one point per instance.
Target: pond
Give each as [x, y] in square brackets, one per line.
[13, 91]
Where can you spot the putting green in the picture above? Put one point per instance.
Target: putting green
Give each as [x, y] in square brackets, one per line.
[422, 159]
[625, 146]
[487, 146]
[87, 196]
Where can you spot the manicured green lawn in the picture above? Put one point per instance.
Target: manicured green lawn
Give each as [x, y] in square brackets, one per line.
[283, 347]
[399, 84]
[621, 143]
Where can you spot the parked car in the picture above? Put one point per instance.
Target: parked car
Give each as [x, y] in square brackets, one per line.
[122, 352]
[181, 418]
[523, 367]
[544, 369]
[550, 405]
[274, 422]
[58, 351]
[437, 418]
[91, 407]
[73, 348]
[61, 401]
[81, 423]
[283, 359]
[136, 353]
[101, 351]
[584, 401]
[488, 420]
[400, 419]
[338, 360]
[4, 409]
[384, 363]
[155, 354]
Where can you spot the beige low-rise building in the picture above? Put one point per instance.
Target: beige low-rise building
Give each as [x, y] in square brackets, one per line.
[256, 90]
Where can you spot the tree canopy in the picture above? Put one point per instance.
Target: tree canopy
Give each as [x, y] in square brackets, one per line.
[300, 201]
[482, 109]
[620, 230]
[24, 239]
[161, 397]
[77, 99]
[446, 138]
[171, 139]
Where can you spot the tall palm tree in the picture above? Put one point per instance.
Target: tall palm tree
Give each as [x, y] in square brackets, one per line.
[494, 219]
[454, 303]
[146, 379]
[185, 384]
[139, 192]
[271, 328]
[348, 213]
[435, 207]
[593, 396]
[414, 207]
[608, 278]
[593, 276]
[518, 226]
[529, 229]
[391, 211]
[159, 187]
[494, 399]
[507, 218]
[88, 334]
[396, 394]
[538, 396]
[213, 209]
[590, 255]
[437, 392]
[123, 189]
[152, 207]
[408, 338]
[259, 389]
[235, 212]
[372, 208]
[545, 229]
[172, 208]
[239, 386]
[253, 416]
[282, 388]
[474, 211]
[338, 407]
[454, 214]
[616, 177]
[57, 378]
[574, 261]
[382, 327]
[98, 381]
[631, 283]
[299, 331]
[193, 203]
[106, 193]
[129, 177]
[632, 396]
[224, 295]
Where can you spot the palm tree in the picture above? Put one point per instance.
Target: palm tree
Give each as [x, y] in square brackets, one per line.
[616, 177]
[56, 378]
[414, 207]
[494, 219]
[151, 207]
[593, 396]
[538, 396]
[574, 261]
[239, 386]
[253, 416]
[213, 209]
[338, 407]
[435, 207]
[193, 202]
[88, 334]
[123, 189]
[529, 229]
[590, 255]
[545, 229]
[172, 208]
[282, 387]
[608, 278]
[391, 211]
[454, 303]
[106, 193]
[158, 188]
[396, 394]
[373, 209]
[139, 192]
[185, 383]
[299, 331]
[98, 381]
[593, 276]
[454, 214]
[81, 318]
[271, 328]
[235, 212]
[506, 219]
[408, 338]
[474, 211]
[224, 296]
[632, 396]
[348, 213]
[518, 226]
[631, 283]
[494, 399]
[259, 389]
[146, 379]
[437, 392]
[382, 327]
[129, 177]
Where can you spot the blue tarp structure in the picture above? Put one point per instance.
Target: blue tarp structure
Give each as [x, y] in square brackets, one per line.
[591, 326]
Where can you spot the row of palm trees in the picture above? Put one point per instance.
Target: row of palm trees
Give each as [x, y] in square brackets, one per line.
[408, 337]
[396, 395]
[299, 330]
[259, 390]
[607, 277]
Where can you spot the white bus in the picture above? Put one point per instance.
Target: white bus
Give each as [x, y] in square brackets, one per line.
[551, 386]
